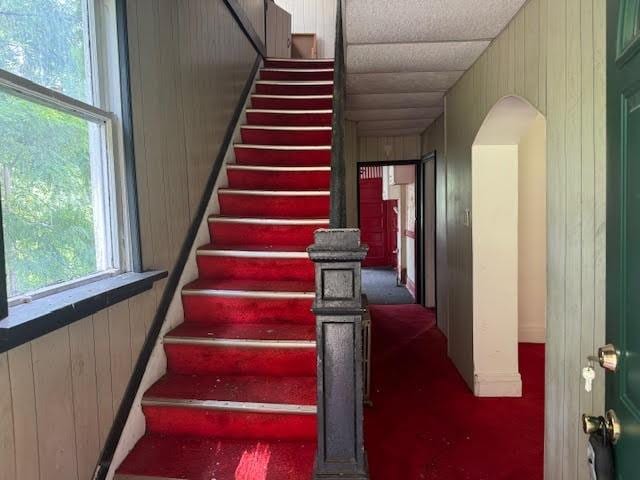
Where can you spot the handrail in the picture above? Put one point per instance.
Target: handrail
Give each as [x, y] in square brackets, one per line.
[338, 211]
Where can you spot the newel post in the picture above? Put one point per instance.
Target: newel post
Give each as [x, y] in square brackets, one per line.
[337, 254]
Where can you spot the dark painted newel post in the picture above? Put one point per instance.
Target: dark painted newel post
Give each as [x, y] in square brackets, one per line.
[337, 254]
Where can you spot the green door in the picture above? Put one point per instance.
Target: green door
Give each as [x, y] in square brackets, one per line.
[623, 227]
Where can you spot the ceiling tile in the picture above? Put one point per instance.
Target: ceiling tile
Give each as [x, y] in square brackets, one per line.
[395, 100]
[400, 82]
[413, 57]
[394, 114]
[402, 21]
[394, 124]
[392, 132]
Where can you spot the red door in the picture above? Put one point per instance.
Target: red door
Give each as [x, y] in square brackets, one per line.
[378, 224]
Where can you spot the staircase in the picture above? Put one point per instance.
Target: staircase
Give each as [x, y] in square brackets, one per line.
[238, 399]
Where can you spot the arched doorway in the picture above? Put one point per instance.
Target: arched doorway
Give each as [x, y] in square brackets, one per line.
[508, 243]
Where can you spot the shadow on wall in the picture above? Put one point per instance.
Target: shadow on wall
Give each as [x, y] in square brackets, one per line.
[509, 243]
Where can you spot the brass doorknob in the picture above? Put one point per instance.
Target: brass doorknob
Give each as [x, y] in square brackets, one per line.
[591, 424]
[608, 357]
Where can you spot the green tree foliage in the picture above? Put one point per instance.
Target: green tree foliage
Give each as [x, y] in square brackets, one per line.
[45, 168]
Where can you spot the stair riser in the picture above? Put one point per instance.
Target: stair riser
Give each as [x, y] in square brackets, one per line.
[208, 310]
[295, 76]
[283, 158]
[270, 89]
[256, 136]
[237, 234]
[253, 179]
[290, 119]
[218, 268]
[281, 206]
[292, 104]
[224, 424]
[295, 64]
[213, 360]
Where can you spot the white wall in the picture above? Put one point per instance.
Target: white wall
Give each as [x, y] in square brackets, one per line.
[409, 235]
[314, 16]
[532, 234]
[495, 270]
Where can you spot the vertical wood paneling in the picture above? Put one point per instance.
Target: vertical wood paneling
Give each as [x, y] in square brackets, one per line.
[586, 320]
[599, 128]
[120, 347]
[555, 60]
[24, 412]
[104, 391]
[556, 234]
[573, 240]
[55, 415]
[7, 443]
[532, 50]
[85, 401]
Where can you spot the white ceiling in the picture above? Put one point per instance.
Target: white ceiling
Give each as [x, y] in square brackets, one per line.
[403, 55]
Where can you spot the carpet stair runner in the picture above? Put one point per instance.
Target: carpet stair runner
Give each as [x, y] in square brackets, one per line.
[238, 399]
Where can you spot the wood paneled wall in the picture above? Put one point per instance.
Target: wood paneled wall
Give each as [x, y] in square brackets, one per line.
[553, 55]
[433, 139]
[314, 16]
[59, 393]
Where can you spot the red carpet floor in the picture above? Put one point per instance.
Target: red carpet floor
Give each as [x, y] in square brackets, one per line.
[425, 424]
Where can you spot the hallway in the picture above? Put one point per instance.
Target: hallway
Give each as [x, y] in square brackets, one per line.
[425, 424]
[381, 288]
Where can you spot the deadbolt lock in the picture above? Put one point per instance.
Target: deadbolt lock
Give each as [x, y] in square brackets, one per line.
[610, 422]
[608, 357]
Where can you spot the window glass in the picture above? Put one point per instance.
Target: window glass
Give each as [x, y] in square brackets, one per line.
[47, 42]
[55, 200]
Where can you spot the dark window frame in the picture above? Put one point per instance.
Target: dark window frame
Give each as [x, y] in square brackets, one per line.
[25, 322]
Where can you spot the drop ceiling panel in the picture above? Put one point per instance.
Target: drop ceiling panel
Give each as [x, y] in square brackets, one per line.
[400, 82]
[395, 100]
[391, 133]
[403, 21]
[394, 114]
[413, 57]
[393, 124]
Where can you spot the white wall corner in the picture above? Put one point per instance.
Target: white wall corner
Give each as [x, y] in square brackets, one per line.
[497, 385]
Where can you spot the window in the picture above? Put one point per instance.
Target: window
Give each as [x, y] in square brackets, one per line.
[59, 175]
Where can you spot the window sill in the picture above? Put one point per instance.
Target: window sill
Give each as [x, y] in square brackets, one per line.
[32, 320]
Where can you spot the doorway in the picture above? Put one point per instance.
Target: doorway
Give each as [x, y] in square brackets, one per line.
[391, 216]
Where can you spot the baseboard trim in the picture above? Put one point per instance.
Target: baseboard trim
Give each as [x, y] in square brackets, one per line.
[532, 334]
[497, 385]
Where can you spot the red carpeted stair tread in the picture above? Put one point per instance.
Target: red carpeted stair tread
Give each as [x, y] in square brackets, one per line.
[266, 231]
[283, 155]
[237, 388]
[278, 178]
[292, 102]
[290, 117]
[283, 87]
[239, 331]
[284, 249]
[298, 63]
[274, 203]
[192, 458]
[286, 135]
[277, 287]
[306, 74]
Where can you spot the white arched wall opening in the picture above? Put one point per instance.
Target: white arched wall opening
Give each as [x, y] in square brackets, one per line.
[508, 243]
